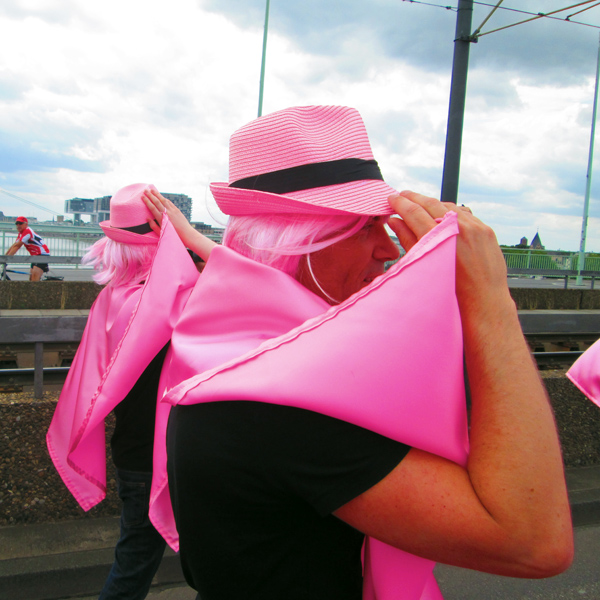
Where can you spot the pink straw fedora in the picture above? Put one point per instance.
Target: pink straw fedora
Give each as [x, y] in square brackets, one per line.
[129, 217]
[307, 159]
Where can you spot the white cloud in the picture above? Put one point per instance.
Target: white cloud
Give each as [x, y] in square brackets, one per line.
[94, 96]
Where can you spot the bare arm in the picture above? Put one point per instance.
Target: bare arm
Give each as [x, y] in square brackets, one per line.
[14, 248]
[192, 239]
[508, 511]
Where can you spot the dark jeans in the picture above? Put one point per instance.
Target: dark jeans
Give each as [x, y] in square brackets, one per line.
[140, 548]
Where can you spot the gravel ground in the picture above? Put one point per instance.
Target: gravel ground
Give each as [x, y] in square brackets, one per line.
[31, 490]
[577, 419]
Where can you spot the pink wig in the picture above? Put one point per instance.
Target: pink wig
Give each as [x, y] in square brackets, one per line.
[280, 240]
[118, 264]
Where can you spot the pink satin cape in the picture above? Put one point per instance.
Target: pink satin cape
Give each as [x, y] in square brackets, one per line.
[389, 359]
[585, 373]
[127, 326]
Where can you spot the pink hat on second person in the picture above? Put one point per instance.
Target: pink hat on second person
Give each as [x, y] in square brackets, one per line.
[307, 159]
[129, 216]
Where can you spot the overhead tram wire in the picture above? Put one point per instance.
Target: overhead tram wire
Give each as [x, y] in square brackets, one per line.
[545, 15]
[528, 12]
[453, 8]
[568, 17]
[29, 202]
[476, 32]
[537, 15]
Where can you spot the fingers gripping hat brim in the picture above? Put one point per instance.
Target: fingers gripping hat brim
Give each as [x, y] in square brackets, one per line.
[323, 152]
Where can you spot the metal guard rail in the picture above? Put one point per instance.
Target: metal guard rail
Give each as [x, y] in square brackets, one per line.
[557, 273]
[40, 330]
[25, 260]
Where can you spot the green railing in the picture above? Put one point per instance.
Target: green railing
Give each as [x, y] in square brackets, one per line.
[61, 240]
[549, 260]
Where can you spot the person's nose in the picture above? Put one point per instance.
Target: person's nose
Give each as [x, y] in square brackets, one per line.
[385, 249]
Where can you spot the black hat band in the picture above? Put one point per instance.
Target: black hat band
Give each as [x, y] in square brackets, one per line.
[140, 229]
[314, 175]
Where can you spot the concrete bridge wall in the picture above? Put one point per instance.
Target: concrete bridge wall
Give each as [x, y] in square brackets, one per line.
[18, 295]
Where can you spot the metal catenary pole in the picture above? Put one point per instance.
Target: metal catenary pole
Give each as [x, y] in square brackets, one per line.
[264, 57]
[588, 184]
[456, 111]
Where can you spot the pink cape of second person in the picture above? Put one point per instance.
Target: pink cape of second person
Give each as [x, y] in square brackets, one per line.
[126, 328]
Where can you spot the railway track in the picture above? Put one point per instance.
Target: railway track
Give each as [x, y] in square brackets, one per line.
[14, 380]
[556, 360]
[17, 364]
[49, 342]
[559, 350]
[550, 350]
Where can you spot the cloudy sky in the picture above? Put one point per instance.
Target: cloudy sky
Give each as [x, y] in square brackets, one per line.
[97, 95]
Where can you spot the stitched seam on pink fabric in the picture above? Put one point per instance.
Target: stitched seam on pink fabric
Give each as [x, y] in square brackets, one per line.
[425, 245]
[113, 358]
[83, 473]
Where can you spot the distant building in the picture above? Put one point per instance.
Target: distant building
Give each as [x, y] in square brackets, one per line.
[8, 219]
[214, 233]
[522, 243]
[182, 202]
[81, 206]
[536, 243]
[99, 208]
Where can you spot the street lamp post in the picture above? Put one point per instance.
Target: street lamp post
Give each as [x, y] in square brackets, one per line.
[588, 184]
[264, 57]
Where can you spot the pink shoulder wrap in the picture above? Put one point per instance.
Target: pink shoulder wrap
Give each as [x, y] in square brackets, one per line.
[585, 373]
[126, 328]
[389, 359]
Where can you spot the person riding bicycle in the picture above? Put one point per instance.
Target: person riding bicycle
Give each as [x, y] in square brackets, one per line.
[34, 244]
